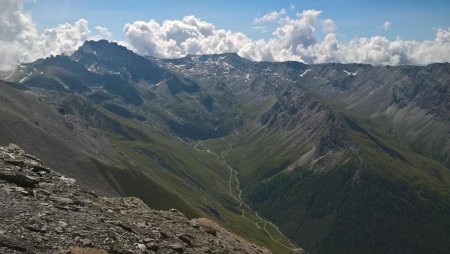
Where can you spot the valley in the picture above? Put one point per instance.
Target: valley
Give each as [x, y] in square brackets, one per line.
[325, 158]
[246, 211]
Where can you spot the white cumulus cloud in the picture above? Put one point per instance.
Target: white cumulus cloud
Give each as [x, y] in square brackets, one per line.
[20, 41]
[62, 39]
[386, 25]
[328, 26]
[294, 39]
[176, 38]
[17, 32]
[103, 32]
[298, 31]
[379, 50]
[271, 16]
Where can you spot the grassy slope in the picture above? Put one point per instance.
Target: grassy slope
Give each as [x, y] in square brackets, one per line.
[399, 204]
[168, 173]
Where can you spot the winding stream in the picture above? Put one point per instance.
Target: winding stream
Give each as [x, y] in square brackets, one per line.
[236, 193]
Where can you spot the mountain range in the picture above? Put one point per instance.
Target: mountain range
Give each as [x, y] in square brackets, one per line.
[326, 158]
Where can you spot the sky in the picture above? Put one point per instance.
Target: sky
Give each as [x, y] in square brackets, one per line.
[311, 31]
[411, 19]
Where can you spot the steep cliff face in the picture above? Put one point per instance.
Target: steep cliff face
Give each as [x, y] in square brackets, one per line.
[317, 128]
[411, 102]
[45, 212]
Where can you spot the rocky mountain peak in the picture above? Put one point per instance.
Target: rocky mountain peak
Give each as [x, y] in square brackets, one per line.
[46, 212]
[102, 48]
[109, 58]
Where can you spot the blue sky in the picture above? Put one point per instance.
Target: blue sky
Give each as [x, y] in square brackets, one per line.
[411, 20]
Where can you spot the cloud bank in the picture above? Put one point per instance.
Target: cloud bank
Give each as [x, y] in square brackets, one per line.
[294, 37]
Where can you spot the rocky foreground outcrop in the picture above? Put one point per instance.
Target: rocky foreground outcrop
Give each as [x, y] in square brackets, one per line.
[42, 211]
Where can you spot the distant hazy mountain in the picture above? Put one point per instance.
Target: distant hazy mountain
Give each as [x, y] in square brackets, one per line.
[343, 158]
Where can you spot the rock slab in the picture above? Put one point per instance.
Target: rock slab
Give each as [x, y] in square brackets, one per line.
[43, 211]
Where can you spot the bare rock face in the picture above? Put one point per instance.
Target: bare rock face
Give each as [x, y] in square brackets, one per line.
[45, 212]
